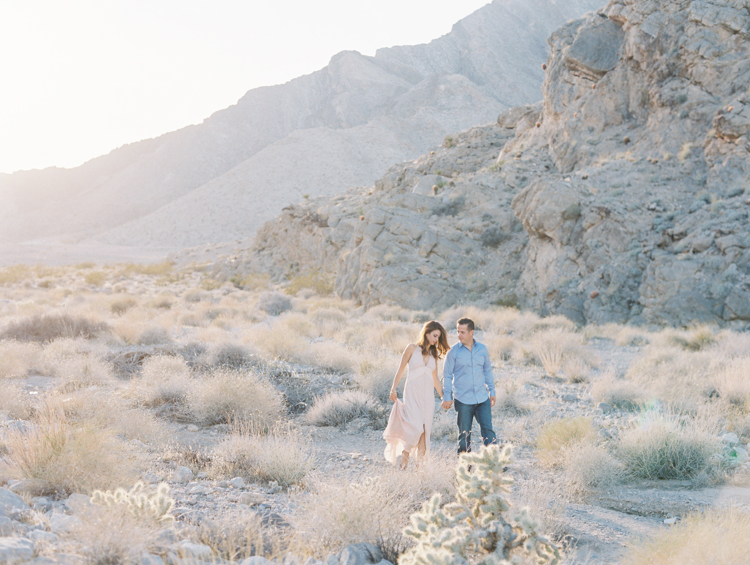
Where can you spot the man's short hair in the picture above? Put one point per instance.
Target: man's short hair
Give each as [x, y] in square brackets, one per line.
[468, 322]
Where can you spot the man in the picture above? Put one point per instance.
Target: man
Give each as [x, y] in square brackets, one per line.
[470, 385]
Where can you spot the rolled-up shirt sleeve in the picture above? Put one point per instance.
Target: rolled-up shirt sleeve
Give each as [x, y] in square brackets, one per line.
[489, 377]
[450, 362]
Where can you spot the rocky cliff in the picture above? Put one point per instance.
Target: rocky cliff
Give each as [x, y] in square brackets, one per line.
[623, 196]
[318, 134]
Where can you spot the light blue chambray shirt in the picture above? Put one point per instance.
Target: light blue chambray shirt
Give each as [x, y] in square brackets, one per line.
[467, 375]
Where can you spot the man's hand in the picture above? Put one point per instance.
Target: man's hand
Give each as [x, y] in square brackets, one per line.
[447, 404]
[492, 401]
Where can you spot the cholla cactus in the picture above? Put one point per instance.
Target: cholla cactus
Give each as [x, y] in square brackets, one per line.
[473, 528]
[156, 507]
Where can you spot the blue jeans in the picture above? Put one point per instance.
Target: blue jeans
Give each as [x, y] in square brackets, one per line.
[466, 413]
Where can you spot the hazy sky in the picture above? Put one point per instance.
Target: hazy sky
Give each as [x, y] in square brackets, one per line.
[82, 77]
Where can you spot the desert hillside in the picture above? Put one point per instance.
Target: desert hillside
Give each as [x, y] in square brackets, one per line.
[319, 134]
[620, 197]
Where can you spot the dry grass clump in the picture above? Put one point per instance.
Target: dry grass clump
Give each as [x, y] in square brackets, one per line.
[281, 456]
[338, 408]
[556, 436]
[273, 303]
[328, 321]
[501, 347]
[154, 336]
[590, 467]
[508, 401]
[554, 347]
[121, 305]
[110, 535]
[330, 356]
[163, 380]
[336, 514]
[224, 395]
[231, 355]
[48, 327]
[236, 538]
[284, 338]
[62, 457]
[15, 402]
[19, 359]
[731, 383]
[374, 374]
[319, 283]
[392, 337]
[619, 393]
[82, 371]
[695, 339]
[667, 446]
[718, 536]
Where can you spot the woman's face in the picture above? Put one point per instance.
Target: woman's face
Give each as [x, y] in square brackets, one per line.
[433, 337]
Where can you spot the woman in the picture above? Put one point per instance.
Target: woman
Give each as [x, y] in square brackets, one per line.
[410, 421]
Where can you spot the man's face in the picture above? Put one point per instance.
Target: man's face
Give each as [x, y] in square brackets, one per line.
[464, 335]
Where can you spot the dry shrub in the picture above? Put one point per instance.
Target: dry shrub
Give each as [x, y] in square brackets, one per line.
[390, 312]
[576, 370]
[319, 283]
[328, 321]
[732, 384]
[392, 337]
[110, 535]
[283, 339]
[590, 467]
[330, 356]
[507, 400]
[674, 375]
[375, 373]
[556, 436]
[619, 393]
[444, 426]
[281, 456]
[49, 327]
[224, 395]
[230, 355]
[62, 457]
[273, 303]
[121, 305]
[19, 359]
[235, 538]
[553, 347]
[338, 513]
[15, 402]
[668, 446]
[500, 346]
[338, 408]
[154, 336]
[163, 380]
[695, 339]
[82, 371]
[716, 536]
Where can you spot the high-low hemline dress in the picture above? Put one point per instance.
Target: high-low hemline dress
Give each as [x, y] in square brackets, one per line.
[412, 417]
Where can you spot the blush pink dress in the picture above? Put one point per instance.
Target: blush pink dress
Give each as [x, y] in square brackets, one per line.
[412, 417]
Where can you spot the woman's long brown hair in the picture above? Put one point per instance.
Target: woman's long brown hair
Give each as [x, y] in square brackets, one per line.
[441, 347]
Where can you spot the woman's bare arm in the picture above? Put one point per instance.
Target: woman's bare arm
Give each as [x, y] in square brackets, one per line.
[400, 373]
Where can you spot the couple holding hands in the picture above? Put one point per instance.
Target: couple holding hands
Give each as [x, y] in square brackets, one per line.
[468, 386]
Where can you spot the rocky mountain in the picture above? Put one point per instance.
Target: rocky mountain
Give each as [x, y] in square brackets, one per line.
[623, 196]
[319, 134]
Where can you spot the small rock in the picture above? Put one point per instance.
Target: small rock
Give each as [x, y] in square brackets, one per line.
[182, 475]
[605, 434]
[605, 408]
[10, 501]
[192, 428]
[151, 478]
[77, 502]
[256, 560]
[15, 550]
[670, 521]
[250, 499]
[237, 482]
[569, 397]
[201, 475]
[151, 559]
[41, 535]
[193, 550]
[360, 554]
[6, 526]
[41, 504]
[223, 484]
[62, 523]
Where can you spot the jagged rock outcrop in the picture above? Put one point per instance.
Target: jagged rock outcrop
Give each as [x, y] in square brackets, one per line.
[319, 134]
[622, 197]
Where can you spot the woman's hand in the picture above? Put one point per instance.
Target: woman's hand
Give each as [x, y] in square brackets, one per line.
[393, 396]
